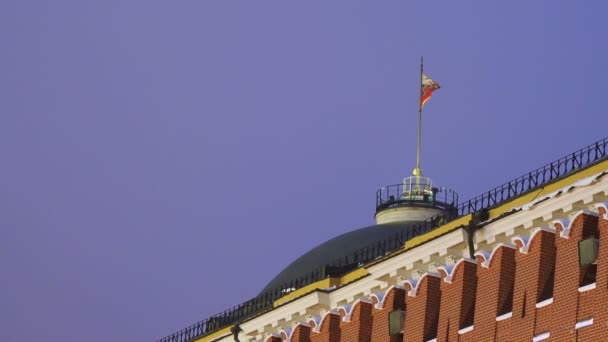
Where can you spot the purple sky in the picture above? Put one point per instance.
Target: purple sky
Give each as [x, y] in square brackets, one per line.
[161, 161]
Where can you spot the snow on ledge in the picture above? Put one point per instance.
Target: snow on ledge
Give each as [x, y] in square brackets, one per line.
[487, 256]
[567, 223]
[465, 330]
[381, 296]
[433, 340]
[415, 283]
[586, 287]
[448, 271]
[504, 316]
[579, 183]
[544, 303]
[541, 337]
[583, 324]
[380, 299]
[605, 206]
[526, 242]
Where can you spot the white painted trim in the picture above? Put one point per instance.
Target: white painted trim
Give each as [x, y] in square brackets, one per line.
[420, 253]
[586, 287]
[545, 210]
[269, 336]
[504, 316]
[567, 224]
[544, 303]
[541, 337]
[433, 340]
[487, 256]
[603, 205]
[381, 296]
[317, 327]
[584, 323]
[450, 270]
[415, 284]
[527, 241]
[465, 330]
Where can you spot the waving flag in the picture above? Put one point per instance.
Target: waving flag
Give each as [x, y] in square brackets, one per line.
[428, 86]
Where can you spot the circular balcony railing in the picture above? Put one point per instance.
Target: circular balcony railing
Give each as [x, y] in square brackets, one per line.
[415, 190]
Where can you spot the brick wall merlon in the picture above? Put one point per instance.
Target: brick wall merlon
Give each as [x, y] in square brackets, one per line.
[412, 285]
[314, 322]
[347, 310]
[273, 338]
[602, 209]
[484, 258]
[324, 320]
[288, 333]
[379, 298]
[448, 272]
[563, 226]
[524, 243]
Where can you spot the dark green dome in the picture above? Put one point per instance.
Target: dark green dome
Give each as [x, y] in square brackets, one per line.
[339, 247]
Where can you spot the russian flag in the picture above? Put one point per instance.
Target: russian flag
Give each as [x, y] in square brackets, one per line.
[427, 88]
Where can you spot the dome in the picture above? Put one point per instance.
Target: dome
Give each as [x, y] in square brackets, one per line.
[338, 247]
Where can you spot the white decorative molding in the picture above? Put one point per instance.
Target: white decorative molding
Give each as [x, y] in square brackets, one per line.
[322, 320]
[269, 336]
[545, 208]
[487, 256]
[605, 206]
[449, 270]
[526, 242]
[566, 224]
[415, 283]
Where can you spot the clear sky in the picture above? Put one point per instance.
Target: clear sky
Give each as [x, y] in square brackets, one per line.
[161, 161]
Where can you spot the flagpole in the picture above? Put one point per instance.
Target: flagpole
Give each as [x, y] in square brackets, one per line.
[417, 171]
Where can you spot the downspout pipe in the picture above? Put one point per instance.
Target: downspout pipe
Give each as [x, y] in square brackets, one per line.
[472, 227]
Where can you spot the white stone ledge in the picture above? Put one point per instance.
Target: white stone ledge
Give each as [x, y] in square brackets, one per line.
[584, 323]
[465, 330]
[541, 337]
[544, 303]
[586, 287]
[504, 316]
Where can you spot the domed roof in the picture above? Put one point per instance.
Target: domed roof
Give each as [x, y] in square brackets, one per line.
[338, 247]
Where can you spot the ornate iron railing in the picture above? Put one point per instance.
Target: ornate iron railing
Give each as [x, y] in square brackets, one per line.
[549, 173]
[560, 168]
[404, 194]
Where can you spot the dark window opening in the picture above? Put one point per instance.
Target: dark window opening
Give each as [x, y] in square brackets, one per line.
[587, 275]
[547, 287]
[469, 316]
[507, 304]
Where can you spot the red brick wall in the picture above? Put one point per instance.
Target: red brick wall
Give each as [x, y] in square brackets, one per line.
[394, 299]
[357, 327]
[545, 265]
[495, 284]
[422, 308]
[458, 291]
